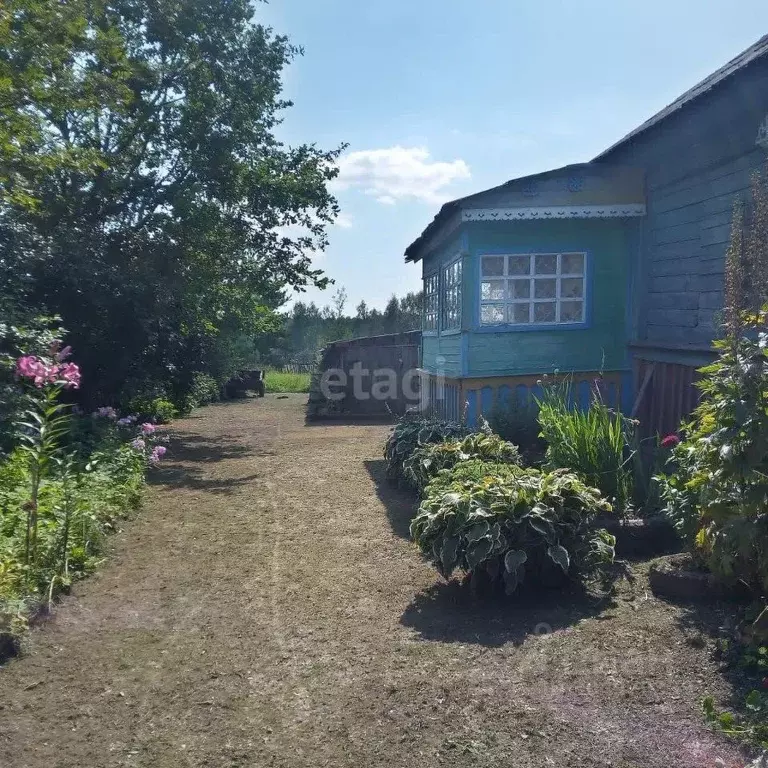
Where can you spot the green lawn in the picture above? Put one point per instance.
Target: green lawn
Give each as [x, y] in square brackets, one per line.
[274, 381]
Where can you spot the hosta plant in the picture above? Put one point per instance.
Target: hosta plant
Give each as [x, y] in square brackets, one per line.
[522, 524]
[472, 470]
[425, 462]
[411, 433]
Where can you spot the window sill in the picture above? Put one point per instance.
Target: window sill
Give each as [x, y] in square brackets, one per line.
[429, 333]
[451, 332]
[507, 328]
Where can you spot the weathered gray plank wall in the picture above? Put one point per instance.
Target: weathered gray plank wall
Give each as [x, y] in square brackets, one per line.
[388, 359]
[697, 162]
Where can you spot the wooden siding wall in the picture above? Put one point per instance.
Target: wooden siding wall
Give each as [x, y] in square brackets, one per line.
[666, 395]
[398, 352]
[697, 162]
[442, 354]
[608, 244]
[468, 399]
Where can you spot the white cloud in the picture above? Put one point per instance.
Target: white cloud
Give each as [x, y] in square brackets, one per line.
[343, 221]
[397, 173]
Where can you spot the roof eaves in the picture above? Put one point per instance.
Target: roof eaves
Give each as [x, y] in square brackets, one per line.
[755, 52]
[411, 252]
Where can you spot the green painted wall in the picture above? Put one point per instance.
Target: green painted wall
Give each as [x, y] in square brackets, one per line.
[442, 353]
[602, 345]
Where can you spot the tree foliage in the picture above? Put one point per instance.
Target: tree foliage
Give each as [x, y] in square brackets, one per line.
[307, 328]
[144, 195]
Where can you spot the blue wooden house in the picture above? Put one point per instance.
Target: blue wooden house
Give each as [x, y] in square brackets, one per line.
[613, 266]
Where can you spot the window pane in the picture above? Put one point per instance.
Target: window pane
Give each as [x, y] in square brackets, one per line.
[491, 313]
[544, 312]
[520, 289]
[572, 264]
[492, 290]
[493, 266]
[545, 289]
[519, 313]
[571, 312]
[519, 265]
[546, 264]
[571, 288]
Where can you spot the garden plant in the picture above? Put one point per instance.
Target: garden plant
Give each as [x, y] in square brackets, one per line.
[414, 431]
[510, 526]
[426, 461]
[595, 442]
[65, 481]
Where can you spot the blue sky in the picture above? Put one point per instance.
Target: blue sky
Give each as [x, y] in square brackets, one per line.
[441, 98]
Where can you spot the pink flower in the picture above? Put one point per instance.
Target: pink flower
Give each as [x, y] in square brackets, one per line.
[63, 354]
[138, 444]
[147, 428]
[34, 368]
[70, 374]
[670, 441]
[157, 453]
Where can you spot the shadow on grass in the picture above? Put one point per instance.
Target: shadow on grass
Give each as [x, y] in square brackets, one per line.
[194, 449]
[349, 420]
[452, 613]
[713, 627]
[400, 504]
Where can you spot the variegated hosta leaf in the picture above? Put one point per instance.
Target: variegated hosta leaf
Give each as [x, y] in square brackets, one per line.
[478, 552]
[560, 555]
[477, 531]
[449, 553]
[514, 559]
[544, 528]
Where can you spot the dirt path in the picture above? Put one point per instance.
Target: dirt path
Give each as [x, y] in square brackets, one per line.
[267, 609]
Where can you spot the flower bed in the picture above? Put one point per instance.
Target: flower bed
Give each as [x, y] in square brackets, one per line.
[65, 481]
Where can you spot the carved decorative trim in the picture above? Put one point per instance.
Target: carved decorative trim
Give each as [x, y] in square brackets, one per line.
[554, 212]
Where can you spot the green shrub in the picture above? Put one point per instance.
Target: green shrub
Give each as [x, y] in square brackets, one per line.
[158, 409]
[412, 432]
[426, 461]
[516, 420]
[717, 495]
[594, 442]
[527, 522]
[205, 389]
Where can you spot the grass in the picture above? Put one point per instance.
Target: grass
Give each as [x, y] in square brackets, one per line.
[275, 381]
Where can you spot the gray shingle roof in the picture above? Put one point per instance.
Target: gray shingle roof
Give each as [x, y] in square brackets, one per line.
[754, 52]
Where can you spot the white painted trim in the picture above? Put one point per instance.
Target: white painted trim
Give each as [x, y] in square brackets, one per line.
[554, 212]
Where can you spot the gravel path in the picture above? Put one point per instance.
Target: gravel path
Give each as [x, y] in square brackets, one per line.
[267, 609]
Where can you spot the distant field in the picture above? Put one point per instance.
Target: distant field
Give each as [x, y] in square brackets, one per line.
[274, 381]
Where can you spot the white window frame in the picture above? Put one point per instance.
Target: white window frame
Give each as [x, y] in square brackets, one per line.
[451, 274]
[431, 316]
[508, 301]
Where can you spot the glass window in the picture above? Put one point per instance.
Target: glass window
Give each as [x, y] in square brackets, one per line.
[430, 302]
[530, 289]
[451, 305]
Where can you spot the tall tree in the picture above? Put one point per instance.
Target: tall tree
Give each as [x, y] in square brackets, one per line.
[137, 151]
